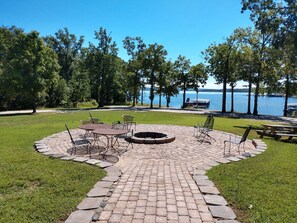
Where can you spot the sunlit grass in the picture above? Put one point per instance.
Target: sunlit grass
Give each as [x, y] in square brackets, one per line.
[263, 188]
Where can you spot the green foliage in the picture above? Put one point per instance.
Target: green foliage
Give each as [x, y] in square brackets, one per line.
[134, 47]
[88, 104]
[276, 23]
[170, 87]
[264, 56]
[67, 47]
[101, 63]
[79, 87]
[57, 93]
[152, 60]
[182, 68]
[29, 66]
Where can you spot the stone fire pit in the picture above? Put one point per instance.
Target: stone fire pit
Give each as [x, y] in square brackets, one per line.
[152, 138]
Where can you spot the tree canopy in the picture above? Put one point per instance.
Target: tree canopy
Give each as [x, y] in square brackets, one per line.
[59, 70]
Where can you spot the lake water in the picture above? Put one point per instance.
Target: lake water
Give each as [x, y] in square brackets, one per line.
[266, 105]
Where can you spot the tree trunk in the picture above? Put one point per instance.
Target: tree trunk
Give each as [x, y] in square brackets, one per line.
[249, 98]
[255, 112]
[142, 95]
[134, 95]
[160, 98]
[287, 95]
[184, 96]
[232, 97]
[135, 90]
[102, 96]
[167, 101]
[224, 95]
[197, 92]
[34, 106]
[152, 95]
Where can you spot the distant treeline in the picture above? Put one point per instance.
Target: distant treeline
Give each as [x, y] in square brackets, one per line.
[58, 70]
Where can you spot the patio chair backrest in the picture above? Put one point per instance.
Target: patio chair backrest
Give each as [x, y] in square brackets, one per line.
[117, 125]
[69, 134]
[95, 120]
[128, 118]
[208, 121]
[245, 134]
[91, 117]
[211, 123]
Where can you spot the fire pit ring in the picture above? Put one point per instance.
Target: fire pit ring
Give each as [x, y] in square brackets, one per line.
[152, 138]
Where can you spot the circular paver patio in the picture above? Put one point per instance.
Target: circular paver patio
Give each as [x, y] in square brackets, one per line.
[160, 182]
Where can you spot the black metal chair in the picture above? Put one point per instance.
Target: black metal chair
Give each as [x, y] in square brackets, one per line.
[198, 127]
[129, 122]
[79, 143]
[205, 130]
[127, 137]
[240, 142]
[95, 120]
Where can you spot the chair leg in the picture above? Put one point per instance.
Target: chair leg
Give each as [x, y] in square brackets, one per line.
[129, 142]
[224, 148]
[89, 150]
[73, 150]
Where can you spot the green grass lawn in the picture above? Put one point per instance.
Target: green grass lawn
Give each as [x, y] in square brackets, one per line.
[36, 188]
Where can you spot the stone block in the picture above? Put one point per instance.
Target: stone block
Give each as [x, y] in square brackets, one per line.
[209, 190]
[215, 200]
[111, 178]
[68, 158]
[234, 159]
[223, 160]
[104, 184]
[80, 216]
[98, 192]
[90, 203]
[222, 212]
[204, 183]
[104, 164]
[80, 159]
[93, 161]
[200, 177]
[211, 163]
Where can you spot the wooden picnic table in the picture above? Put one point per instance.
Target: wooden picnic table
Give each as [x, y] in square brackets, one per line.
[277, 131]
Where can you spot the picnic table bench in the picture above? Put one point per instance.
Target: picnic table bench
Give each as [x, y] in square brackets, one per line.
[278, 131]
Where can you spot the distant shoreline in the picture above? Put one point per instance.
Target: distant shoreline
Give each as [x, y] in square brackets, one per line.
[236, 90]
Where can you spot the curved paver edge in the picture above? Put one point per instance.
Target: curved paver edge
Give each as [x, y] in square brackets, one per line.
[89, 209]
[217, 205]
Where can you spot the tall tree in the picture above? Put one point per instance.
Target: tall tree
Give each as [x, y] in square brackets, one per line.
[152, 59]
[247, 70]
[31, 67]
[267, 22]
[101, 64]
[8, 39]
[68, 47]
[200, 75]
[285, 39]
[182, 67]
[171, 82]
[161, 80]
[220, 64]
[134, 47]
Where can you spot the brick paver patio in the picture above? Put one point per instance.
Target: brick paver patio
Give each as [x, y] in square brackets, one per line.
[155, 182]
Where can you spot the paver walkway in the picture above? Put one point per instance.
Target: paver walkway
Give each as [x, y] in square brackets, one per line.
[163, 182]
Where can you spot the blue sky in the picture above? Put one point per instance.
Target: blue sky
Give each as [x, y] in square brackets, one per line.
[183, 27]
